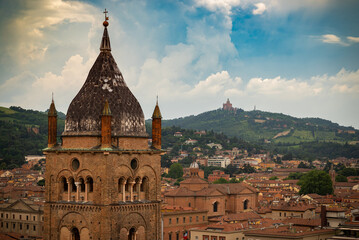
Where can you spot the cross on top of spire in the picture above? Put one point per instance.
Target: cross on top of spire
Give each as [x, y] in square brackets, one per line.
[105, 23]
[105, 12]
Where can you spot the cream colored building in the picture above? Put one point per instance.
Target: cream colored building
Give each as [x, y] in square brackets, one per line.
[22, 216]
[213, 234]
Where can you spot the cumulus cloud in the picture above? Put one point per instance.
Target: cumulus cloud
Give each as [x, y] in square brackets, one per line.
[225, 6]
[353, 39]
[260, 8]
[281, 87]
[331, 38]
[285, 6]
[31, 91]
[345, 82]
[38, 20]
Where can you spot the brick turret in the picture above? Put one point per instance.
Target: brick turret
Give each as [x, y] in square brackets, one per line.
[106, 126]
[156, 127]
[52, 125]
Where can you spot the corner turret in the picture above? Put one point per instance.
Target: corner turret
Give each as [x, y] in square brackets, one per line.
[52, 125]
[106, 126]
[156, 127]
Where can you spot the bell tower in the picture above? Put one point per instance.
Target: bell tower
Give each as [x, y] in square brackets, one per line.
[103, 180]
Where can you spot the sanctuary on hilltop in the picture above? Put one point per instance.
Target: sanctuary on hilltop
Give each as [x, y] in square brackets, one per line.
[103, 179]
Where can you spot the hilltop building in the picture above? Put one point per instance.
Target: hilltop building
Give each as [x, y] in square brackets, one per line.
[228, 106]
[103, 180]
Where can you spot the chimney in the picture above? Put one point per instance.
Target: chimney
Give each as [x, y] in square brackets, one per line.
[323, 216]
[52, 125]
[106, 140]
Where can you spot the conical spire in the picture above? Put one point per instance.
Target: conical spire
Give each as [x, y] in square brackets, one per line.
[105, 82]
[157, 112]
[105, 43]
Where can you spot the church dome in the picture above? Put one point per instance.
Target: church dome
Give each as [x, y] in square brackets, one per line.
[194, 165]
[105, 83]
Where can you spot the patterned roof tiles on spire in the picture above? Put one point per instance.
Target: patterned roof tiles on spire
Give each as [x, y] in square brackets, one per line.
[105, 82]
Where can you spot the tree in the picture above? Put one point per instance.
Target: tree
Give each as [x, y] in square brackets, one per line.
[176, 171]
[316, 181]
[273, 178]
[341, 178]
[295, 176]
[177, 183]
[41, 182]
[231, 170]
[36, 167]
[288, 156]
[234, 180]
[165, 161]
[348, 172]
[302, 165]
[247, 169]
[220, 181]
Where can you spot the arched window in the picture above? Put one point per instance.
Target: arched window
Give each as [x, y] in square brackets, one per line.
[245, 204]
[145, 188]
[144, 185]
[121, 182]
[90, 184]
[215, 206]
[82, 185]
[132, 234]
[75, 234]
[64, 186]
[129, 183]
[73, 186]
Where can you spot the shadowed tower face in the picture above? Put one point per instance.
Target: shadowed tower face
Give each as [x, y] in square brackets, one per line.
[103, 180]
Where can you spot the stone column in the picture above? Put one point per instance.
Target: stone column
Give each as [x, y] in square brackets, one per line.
[78, 186]
[124, 191]
[86, 190]
[69, 189]
[131, 191]
[139, 189]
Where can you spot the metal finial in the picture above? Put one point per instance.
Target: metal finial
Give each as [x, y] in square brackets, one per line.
[52, 96]
[105, 12]
[157, 99]
[105, 23]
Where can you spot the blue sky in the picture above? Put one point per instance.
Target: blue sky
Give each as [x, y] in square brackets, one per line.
[294, 57]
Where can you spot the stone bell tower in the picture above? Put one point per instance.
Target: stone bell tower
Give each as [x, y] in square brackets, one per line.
[103, 180]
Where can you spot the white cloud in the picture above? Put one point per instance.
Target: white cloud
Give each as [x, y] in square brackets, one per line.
[215, 84]
[30, 91]
[334, 39]
[224, 6]
[345, 82]
[37, 23]
[281, 88]
[331, 38]
[260, 8]
[285, 6]
[353, 39]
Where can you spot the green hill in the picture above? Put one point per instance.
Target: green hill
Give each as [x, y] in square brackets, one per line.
[23, 132]
[303, 138]
[261, 126]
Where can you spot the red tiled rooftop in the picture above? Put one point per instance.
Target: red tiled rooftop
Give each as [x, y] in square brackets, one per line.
[286, 231]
